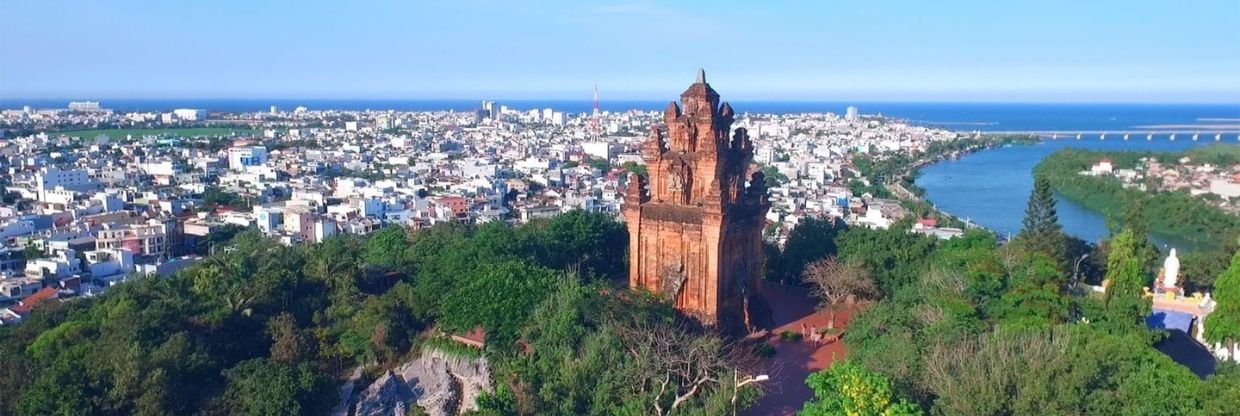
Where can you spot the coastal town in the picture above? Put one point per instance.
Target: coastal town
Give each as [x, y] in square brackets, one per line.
[93, 197]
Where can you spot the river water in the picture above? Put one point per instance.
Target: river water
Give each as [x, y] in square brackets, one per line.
[991, 187]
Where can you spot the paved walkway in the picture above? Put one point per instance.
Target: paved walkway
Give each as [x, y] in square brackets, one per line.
[794, 361]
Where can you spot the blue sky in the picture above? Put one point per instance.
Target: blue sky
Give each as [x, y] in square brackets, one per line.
[984, 50]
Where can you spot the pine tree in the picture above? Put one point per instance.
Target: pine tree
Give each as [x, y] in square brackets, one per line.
[1223, 325]
[1042, 232]
[1124, 304]
[1134, 221]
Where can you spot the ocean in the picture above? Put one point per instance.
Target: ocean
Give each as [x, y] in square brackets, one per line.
[957, 116]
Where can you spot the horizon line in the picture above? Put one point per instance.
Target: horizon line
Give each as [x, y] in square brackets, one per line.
[16, 101]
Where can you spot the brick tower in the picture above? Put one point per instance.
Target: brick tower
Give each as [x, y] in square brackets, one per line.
[695, 225]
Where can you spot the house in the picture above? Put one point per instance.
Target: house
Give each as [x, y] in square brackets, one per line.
[15, 314]
[1103, 167]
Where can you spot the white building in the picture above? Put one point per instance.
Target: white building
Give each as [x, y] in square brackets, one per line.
[1225, 188]
[50, 178]
[240, 158]
[189, 114]
[1103, 167]
[599, 150]
[64, 264]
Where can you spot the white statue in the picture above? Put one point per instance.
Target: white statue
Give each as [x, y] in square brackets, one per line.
[1171, 270]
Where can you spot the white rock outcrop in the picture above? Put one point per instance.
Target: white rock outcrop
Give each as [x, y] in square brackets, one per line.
[442, 384]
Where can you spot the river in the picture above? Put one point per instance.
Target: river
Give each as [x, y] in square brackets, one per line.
[991, 187]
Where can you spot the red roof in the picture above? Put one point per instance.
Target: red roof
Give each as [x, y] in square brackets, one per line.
[44, 293]
[476, 337]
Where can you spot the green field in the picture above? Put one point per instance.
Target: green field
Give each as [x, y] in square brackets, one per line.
[172, 132]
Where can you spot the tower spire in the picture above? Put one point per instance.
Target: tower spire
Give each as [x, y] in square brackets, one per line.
[701, 76]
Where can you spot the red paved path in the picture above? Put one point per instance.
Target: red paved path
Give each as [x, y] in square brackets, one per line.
[794, 361]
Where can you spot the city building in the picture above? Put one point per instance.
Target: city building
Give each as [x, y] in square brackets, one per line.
[87, 106]
[242, 157]
[851, 114]
[189, 114]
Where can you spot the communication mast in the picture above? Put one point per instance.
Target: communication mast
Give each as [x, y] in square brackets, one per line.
[594, 126]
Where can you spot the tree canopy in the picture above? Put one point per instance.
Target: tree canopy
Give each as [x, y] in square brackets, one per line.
[263, 328]
[1041, 231]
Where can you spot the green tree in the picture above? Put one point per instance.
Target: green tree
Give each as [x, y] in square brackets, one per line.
[849, 389]
[499, 299]
[32, 252]
[895, 256]
[591, 243]
[1223, 325]
[1220, 394]
[1124, 305]
[386, 248]
[633, 167]
[263, 387]
[1035, 296]
[773, 177]
[251, 273]
[1041, 231]
[812, 239]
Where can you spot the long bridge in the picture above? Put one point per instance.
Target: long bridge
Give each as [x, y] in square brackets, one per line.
[1217, 135]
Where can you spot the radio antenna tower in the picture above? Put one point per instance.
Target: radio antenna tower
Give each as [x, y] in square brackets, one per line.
[594, 118]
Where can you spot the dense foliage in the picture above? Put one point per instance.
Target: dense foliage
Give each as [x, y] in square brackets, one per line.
[263, 328]
[972, 327]
[811, 240]
[977, 328]
[849, 389]
[1223, 325]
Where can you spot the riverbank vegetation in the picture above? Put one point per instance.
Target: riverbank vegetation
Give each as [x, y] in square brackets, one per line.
[1176, 214]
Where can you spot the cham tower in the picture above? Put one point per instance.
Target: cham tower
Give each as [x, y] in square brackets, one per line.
[695, 224]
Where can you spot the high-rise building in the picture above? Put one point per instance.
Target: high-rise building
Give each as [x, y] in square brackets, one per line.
[273, 110]
[851, 114]
[491, 109]
[695, 234]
